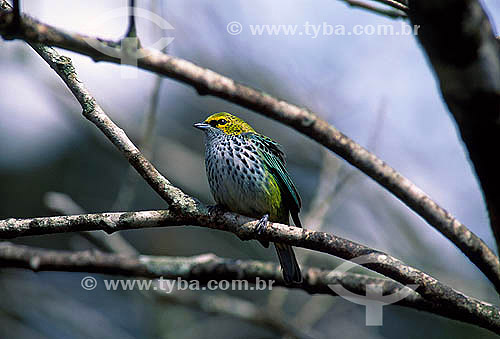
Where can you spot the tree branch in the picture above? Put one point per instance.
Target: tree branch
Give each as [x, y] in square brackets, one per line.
[204, 268]
[214, 304]
[395, 4]
[386, 12]
[463, 307]
[209, 82]
[183, 207]
[131, 30]
[462, 48]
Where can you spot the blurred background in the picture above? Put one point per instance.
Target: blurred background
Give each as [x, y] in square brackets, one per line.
[377, 89]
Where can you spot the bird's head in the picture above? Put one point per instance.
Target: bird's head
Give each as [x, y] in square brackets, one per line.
[224, 122]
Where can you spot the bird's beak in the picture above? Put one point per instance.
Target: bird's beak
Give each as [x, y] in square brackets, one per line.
[201, 125]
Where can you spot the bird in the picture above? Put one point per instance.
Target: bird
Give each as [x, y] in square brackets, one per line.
[247, 175]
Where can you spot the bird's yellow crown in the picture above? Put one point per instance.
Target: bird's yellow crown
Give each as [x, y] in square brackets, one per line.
[228, 123]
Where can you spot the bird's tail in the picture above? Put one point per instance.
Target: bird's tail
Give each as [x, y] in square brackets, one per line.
[291, 269]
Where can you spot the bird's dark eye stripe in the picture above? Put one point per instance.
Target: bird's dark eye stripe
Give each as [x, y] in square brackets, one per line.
[215, 123]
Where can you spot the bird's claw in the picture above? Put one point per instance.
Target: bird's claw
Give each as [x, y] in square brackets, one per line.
[262, 224]
[216, 209]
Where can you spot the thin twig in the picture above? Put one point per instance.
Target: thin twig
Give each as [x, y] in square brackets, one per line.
[149, 130]
[92, 111]
[131, 30]
[126, 194]
[385, 12]
[394, 4]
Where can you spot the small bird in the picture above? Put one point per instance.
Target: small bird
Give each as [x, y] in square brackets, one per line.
[247, 175]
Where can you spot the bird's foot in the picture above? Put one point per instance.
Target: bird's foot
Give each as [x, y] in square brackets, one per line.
[216, 209]
[262, 224]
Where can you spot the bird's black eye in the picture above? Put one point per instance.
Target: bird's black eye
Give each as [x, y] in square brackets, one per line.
[222, 122]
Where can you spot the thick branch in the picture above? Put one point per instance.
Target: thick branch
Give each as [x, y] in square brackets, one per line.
[209, 82]
[465, 54]
[204, 268]
[465, 308]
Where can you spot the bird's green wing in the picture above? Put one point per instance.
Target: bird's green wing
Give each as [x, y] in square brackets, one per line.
[274, 158]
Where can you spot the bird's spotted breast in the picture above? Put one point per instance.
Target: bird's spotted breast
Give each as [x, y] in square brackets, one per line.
[238, 178]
